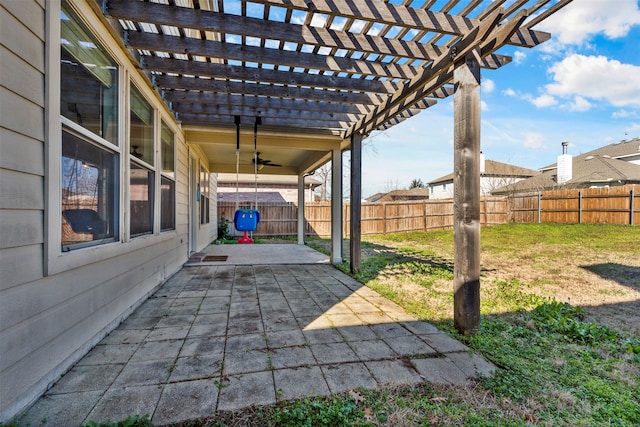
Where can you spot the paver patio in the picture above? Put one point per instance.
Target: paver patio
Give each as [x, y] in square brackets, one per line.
[224, 337]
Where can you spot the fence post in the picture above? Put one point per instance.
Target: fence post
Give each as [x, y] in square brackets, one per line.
[425, 216]
[384, 218]
[631, 213]
[539, 206]
[579, 206]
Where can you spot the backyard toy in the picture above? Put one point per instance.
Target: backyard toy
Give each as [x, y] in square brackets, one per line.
[246, 220]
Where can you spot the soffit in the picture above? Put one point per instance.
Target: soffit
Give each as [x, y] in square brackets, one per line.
[329, 67]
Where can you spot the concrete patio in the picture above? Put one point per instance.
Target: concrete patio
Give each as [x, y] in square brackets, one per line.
[220, 336]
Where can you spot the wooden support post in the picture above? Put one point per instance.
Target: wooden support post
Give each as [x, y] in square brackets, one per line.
[336, 206]
[466, 183]
[355, 232]
[579, 206]
[632, 201]
[301, 190]
[539, 207]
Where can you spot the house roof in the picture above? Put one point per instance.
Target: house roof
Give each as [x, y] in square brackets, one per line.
[266, 180]
[587, 170]
[494, 169]
[617, 150]
[311, 67]
[396, 195]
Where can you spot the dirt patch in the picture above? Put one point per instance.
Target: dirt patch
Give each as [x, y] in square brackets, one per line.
[605, 283]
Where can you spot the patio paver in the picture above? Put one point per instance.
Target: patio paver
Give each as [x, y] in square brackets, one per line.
[223, 337]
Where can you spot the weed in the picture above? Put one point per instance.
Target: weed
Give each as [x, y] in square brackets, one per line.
[562, 318]
[132, 421]
[220, 384]
[316, 412]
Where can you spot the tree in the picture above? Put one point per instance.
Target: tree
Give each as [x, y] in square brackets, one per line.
[323, 173]
[416, 183]
[391, 185]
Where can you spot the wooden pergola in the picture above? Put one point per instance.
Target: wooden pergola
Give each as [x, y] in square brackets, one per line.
[322, 75]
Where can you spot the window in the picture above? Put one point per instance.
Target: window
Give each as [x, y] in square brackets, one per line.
[89, 202]
[89, 80]
[204, 196]
[142, 159]
[90, 158]
[141, 190]
[167, 184]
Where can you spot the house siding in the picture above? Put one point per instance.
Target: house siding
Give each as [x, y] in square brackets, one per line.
[48, 322]
[487, 185]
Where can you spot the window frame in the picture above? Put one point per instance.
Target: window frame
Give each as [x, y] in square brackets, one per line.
[54, 259]
[89, 137]
[205, 200]
[170, 176]
[139, 162]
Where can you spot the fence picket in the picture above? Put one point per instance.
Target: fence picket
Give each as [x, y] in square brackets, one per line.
[614, 205]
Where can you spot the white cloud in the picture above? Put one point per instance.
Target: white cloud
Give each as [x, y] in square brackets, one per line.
[488, 85]
[633, 128]
[298, 20]
[580, 20]
[519, 56]
[578, 104]
[318, 20]
[596, 77]
[544, 101]
[484, 106]
[623, 114]
[533, 141]
[357, 26]
[509, 92]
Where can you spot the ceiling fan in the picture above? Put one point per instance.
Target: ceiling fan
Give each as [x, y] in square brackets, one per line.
[263, 162]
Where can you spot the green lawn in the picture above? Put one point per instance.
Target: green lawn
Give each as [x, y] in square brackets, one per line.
[560, 364]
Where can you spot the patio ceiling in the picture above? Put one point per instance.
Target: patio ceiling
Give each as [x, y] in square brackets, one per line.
[319, 70]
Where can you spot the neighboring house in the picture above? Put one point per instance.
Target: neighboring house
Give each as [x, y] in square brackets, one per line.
[612, 165]
[400, 195]
[493, 175]
[271, 188]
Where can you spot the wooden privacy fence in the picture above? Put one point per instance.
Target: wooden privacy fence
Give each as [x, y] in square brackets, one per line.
[612, 205]
[280, 219]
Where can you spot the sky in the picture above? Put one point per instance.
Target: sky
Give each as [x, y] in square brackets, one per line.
[582, 86]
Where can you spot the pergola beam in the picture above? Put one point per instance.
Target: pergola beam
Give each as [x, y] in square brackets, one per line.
[196, 119]
[228, 87]
[288, 58]
[262, 102]
[205, 20]
[407, 17]
[488, 37]
[265, 113]
[433, 71]
[254, 74]
[382, 12]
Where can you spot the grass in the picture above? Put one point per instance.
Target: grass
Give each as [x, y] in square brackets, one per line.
[559, 364]
[558, 367]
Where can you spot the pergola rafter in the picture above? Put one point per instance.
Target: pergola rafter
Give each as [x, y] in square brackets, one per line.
[322, 75]
[321, 58]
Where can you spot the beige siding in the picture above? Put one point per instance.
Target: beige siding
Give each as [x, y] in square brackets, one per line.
[24, 36]
[18, 265]
[21, 153]
[48, 322]
[27, 11]
[21, 115]
[20, 77]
